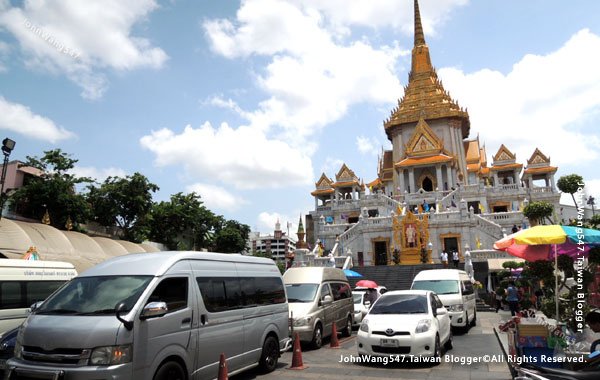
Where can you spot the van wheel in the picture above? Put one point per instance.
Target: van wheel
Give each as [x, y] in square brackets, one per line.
[474, 322]
[270, 355]
[169, 371]
[348, 329]
[317, 340]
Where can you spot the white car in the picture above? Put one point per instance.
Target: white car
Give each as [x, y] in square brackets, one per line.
[406, 322]
[360, 309]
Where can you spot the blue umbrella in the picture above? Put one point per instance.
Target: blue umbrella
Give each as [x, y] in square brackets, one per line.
[351, 273]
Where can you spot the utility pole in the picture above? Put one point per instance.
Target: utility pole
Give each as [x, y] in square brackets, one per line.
[7, 146]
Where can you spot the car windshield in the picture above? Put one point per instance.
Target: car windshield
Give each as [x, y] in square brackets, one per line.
[358, 297]
[301, 292]
[400, 304]
[95, 295]
[438, 286]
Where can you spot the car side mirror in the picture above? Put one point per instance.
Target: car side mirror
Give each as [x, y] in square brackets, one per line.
[154, 310]
[120, 308]
[35, 306]
[326, 300]
[441, 311]
[367, 303]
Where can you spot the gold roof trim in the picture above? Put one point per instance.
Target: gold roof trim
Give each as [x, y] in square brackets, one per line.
[424, 141]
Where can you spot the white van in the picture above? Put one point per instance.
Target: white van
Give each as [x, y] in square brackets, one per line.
[160, 316]
[455, 290]
[318, 297]
[24, 282]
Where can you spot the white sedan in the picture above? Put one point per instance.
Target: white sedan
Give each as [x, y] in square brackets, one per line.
[406, 322]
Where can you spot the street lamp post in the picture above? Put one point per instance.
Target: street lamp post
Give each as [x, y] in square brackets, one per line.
[7, 146]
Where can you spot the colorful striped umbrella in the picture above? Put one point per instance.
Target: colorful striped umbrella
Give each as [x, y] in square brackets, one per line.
[547, 242]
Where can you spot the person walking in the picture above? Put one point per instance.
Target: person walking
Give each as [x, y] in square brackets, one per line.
[444, 259]
[512, 297]
[455, 259]
[498, 295]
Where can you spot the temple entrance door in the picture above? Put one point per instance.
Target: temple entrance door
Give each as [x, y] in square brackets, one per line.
[381, 253]
[450, 245]
[427, 184]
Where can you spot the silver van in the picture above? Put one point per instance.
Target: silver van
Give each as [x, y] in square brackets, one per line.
[159, 316]
[318, 297]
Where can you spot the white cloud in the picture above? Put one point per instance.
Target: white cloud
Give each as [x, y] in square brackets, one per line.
[4, 50]
[83, 39]
[215, 197]
[242, 157]
[538, 104]
[366, 145]
[312, 78]
[98, 174]
[330, 167]
[18, 118]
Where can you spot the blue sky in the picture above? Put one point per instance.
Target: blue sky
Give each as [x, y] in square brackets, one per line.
[247, 103]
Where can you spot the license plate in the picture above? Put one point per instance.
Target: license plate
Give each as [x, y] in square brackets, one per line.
[389, 343]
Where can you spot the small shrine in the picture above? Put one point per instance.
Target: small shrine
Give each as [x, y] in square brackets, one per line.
[411, 237]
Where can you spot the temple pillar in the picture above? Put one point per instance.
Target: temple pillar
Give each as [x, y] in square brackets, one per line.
[449, 177]
[438, 175]
[401, 178]
[516, 174]
[496, 180]
[411, 180]
[552, 182]
[317, 202]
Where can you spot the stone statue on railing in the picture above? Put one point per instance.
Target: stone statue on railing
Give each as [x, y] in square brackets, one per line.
[468, 264]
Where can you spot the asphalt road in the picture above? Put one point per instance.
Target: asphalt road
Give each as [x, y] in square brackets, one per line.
[476, 355]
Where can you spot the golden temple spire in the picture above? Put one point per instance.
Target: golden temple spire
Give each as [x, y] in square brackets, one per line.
[421, 61]
[419, 36]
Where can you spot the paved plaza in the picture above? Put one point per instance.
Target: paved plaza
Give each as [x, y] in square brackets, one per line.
[480, 343]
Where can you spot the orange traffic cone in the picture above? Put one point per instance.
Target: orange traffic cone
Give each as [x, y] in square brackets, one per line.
[334, 342]
[297, 355]
[222, 368]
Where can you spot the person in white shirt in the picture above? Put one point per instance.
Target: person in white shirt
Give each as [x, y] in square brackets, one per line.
[444, 259]
[455, 259]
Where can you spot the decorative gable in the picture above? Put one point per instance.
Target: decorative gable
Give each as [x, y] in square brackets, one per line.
[538, 159]
[345, 175]
[504, 156]
[423, 142]
[323, 183]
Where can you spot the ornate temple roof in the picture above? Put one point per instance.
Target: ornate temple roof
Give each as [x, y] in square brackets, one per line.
[323, 186]
[538, 163]
[425, 96]
[346, 177]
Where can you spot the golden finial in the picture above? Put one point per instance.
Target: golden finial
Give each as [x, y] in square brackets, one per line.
[69, 223]
[46, 218]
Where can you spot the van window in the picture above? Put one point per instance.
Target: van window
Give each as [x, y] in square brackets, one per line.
[438, 286]
[324, 291]
[468, 287]
[172, 291]
[340, 291]
[229, 293]
[301, 292]
[22, 294]
[95, 295]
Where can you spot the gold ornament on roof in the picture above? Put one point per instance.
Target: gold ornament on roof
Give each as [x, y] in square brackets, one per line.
[46, 218]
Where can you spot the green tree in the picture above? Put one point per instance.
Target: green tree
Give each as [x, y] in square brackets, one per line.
[54, 190]
[123, 202]
[595, 221]
[536, 212]
[570, 184]
[182, 223]
[231, 237]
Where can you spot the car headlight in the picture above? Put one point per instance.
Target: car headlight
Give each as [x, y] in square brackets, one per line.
[423, 326]
[364, 326]
[302, 321]
[110, 355]
[458, 307]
